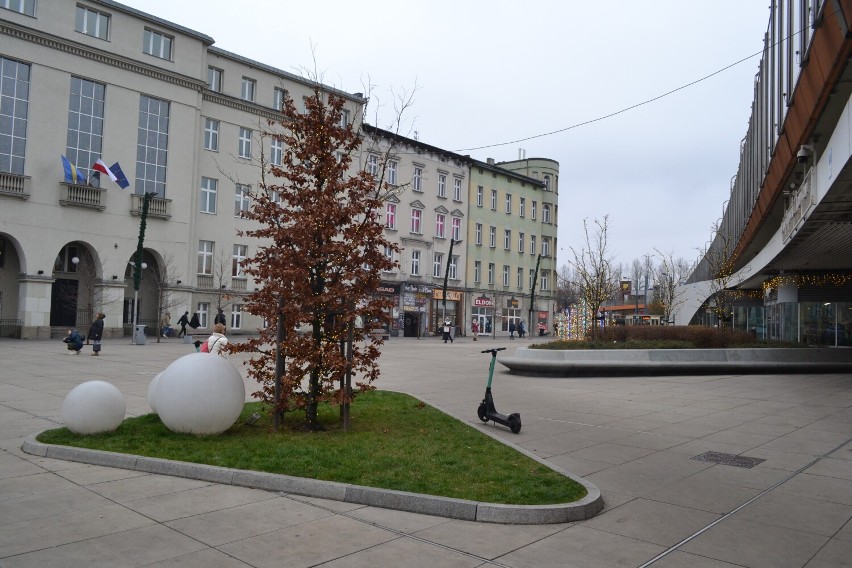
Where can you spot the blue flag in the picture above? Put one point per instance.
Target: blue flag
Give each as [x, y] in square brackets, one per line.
[120, 178]
[72, 173]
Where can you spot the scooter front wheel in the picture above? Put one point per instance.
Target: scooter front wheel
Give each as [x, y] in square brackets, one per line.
[482, 412]
[514, 423]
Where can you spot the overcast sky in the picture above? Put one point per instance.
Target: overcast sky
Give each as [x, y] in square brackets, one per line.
[491, 72]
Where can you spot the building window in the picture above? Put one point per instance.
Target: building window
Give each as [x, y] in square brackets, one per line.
[26, 7]
[479, 196]
[205, 257]
[505, 275]
[211, 134]
[442, 185]
[244, 147]
[416, 220]
[457, 188]
[214, 79]
[417, 182]
[209, 187]
[152, 144]
[532, 244]
[546, 183]
[440, 221]
[415, 263]
[392, 172]
[157, 44]
[491, 273]
[544, 280]
[532, 275]
[247, 89]
[494, 200]
[276, 152]
[477, 270]
[15, 87]
[241, 199]
[389, 256]
[373, 164]
[203, 311]
[545, 246]
[522, 206]
[492, 237]
[85, 123]
[236, 316]
[438, 261]
[507, 239]
[532, 210]
[456, 229]
[454, 268]
[509, 203]
[344, 118]
[477, 234]
[238, 261]
[91, 22]
[520, 277]
[390, 215]
[278, 98]
[545, 213]
[520, 242]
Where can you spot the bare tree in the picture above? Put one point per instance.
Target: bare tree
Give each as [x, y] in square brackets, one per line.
[567, 287]
[164, 277]
[221, 294]
[593, 264]
[670, 272]
[720, 260]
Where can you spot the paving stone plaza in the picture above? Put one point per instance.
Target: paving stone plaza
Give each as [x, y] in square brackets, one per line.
[700, 471]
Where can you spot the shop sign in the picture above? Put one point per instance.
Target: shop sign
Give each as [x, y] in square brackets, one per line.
[483, 302]
[452, 295]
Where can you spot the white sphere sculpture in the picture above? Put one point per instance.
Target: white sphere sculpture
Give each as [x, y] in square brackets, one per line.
[151, 389]
[93, 407]
[199, 393]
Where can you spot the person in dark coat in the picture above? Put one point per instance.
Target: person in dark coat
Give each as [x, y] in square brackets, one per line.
[512, 329]
[183, 322]
[194, 323]
[96, 332]
[220, 318]
[74, 341]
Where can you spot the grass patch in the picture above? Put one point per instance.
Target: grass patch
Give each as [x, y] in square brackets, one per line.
[394, 442]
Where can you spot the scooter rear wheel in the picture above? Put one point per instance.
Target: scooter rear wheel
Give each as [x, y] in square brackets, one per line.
[482, 412]
[514, 424]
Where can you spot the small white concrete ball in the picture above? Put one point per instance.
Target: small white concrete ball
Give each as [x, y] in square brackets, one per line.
[93, 407]
[200, 393]
[152, 386]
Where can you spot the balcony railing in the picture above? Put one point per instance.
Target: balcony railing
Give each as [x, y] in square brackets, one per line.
[238, 284]
[158, 207]
[77, 195]
[14, 185]
[205, 281]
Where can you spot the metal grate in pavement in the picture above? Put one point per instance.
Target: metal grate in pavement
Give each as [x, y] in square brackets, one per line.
[728, 459]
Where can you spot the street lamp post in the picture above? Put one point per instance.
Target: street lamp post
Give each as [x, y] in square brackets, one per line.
[138, 265]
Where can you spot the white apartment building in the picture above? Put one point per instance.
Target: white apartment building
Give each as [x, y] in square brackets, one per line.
[99, 80]
[426, 217]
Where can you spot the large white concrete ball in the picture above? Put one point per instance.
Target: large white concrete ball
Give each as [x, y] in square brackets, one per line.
[93, 407]
[152, 386]
[200, 393]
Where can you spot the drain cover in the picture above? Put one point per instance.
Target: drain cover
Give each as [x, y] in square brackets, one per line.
[728, 459]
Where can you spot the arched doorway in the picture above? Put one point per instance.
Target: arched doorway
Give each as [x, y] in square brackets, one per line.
[10, 267]
[74, 297]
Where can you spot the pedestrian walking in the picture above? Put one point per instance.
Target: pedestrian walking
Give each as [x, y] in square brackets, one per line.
[521, 329]
[183, 321]
[166, 325]
[512, 329]
[194, 323]
[474, 328]
[220, 317]
[96, 332]
[447, 328]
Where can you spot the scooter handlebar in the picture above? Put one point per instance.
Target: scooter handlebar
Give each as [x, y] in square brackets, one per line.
[494, 351]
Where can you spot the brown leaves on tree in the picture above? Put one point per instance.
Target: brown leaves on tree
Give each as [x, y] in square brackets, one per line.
[318, 262]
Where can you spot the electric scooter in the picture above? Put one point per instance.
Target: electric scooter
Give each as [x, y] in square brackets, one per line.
[486, 410]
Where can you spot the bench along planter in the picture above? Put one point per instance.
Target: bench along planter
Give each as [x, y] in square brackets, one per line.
[655, 362]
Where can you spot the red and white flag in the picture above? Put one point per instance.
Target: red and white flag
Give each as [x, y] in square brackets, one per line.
[100, 166]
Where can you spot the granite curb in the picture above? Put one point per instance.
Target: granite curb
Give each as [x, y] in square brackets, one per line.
[661, 362]
[448, 507]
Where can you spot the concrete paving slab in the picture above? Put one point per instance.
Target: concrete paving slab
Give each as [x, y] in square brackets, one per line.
[703, 495]
[798, 513]
[207, 558]
[190, 502]
[411, 553]
[142, 487]
[226, 525]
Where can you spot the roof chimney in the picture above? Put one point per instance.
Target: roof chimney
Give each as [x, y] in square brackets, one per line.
[490, 161]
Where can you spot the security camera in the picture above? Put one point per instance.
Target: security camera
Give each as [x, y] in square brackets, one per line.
[804, 153]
